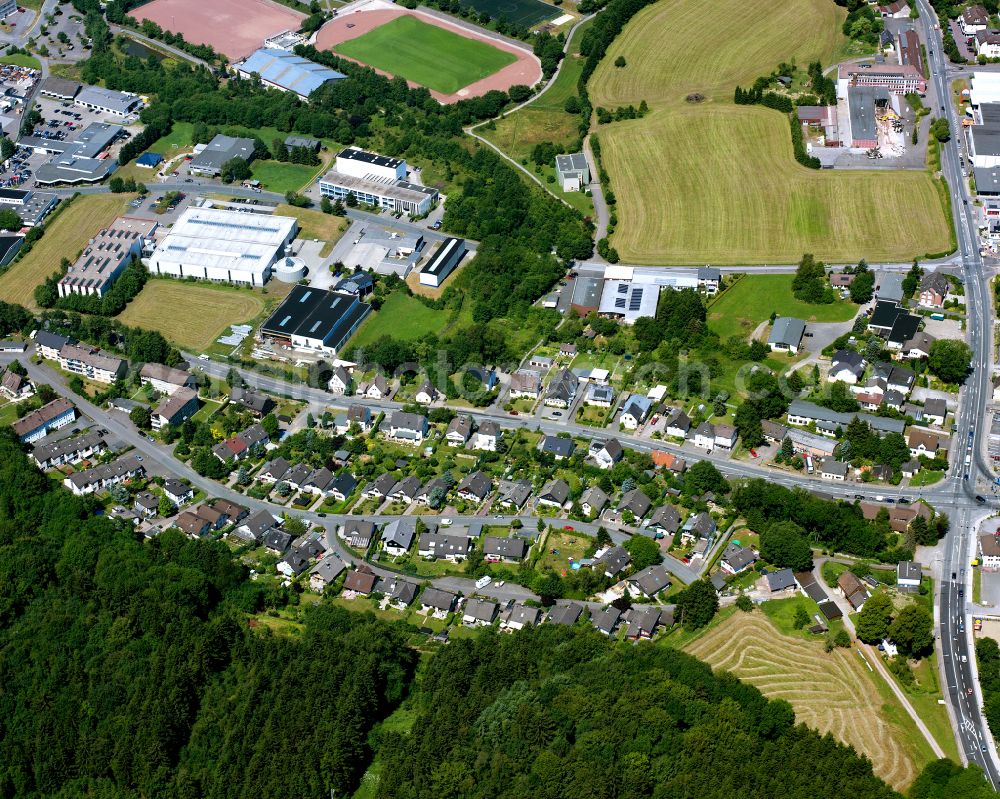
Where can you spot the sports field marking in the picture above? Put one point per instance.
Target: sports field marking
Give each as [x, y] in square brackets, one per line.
[426, 54]
[830, 692]
[191, 315]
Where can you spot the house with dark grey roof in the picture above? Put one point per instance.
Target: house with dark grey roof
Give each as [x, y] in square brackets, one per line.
[475, 487]
[562, 389]
[486, 436]
[398, 592]
[276, 541]
[358, 533]
[444, 546]
[566, 615]
[642, 622]
[255, 526]
[555, 493]
[701, 525]
[398, 535]
[615, 561]
[635, 411]
[405, 490]
[513, 494]
[410, 428]
[459, 430]
[573, 172]
[634, 501]
[648, 582]
[676, 423]
[848, 366]
[221, 149]
[479, 612]
[504, 550]
[521, 616]
[780, 580]
[325, 572]
[606, 620]
[737, 559]
[439, 603]
[559, 448]
[593, 501]
[665, 521]
[786, 334]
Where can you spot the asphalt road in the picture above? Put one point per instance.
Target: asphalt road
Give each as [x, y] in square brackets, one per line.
[955, 648]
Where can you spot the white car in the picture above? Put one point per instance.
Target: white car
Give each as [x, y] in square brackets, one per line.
[446, 522]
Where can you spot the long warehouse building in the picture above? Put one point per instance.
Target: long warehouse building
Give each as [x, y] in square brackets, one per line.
[224, 246]
[315, 319]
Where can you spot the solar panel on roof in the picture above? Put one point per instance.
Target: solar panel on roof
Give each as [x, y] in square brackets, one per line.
[635, 302]
[619, 302]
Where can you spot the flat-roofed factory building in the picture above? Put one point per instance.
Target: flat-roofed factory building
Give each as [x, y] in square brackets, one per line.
[377, 180]
[315, 319]
[224, 246]
[443, 262]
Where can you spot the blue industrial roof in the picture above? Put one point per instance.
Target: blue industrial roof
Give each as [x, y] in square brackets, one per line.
[289, 71]
[149, 159]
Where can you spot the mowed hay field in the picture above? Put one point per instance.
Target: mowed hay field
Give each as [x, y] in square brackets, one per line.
[65, 236]
[191, 315]
[712, 182]
[832, 692]
[719, 185]
[426, 54]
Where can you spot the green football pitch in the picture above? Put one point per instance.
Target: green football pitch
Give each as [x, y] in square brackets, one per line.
[426, 54]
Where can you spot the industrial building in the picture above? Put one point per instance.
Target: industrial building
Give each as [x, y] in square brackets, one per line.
[572, 172]
[224, 246]
[60, 88]
[821, 117]
[628, 300]
[221, 149]
[448, 256]
[908, 49]
[106, 256]
[897, 78]
[81, 161]
[282, 69]
[107, 101]
[376, 180]
[315, 319]
[31, 206]
[867, 105]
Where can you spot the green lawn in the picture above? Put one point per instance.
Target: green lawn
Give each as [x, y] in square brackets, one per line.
[927, 477]
[740, 308]
[402, 317]
[284, 177]
[781, 612]
[22, 60]
[426, 54]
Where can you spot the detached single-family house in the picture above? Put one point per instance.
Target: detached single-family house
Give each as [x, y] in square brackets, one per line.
[255, 526]
[648, 582]
[699, 526]
[325, 572]
[427, 393]
[177, 492]
[377, 389]
[398, 535]
[642, 622]
[704, 436]
[918, 346]
[525, 383]
[737, 559]
[676, 424]
[786, 334]
[341, 382]
[486, 436]
[923, 442]
[475, 487]
[409, 428]
[853, 590]
[635, 502]
[406, 490]
[831, 469]
[593, 501]
[709, 279]
[935, 411]
[973, 20]
[554, 494]
[459, 430]
[255, 403]
[606, 621]
[361, 415]
[274, 471]
[399, 593]
[165, 379]
[614, 561]
[566, 615]
[605, 454]
[847, 367]
[444, 546]
[437, 602]
[635, 411]
[725, 436]
[562, 389]
[275, 541]
[600, 396]
[361, 581]
[781, 580]
[933, 290]
[521, 616]
[513, 494]
[504, 550]
[908, 575]
[479, 612]
[665, 521]
[358, 533]
[556, 446]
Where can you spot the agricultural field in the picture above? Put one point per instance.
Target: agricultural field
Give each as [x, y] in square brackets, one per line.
[726, 186]
[752, 300]
[427, 54]
[516, 12]
[830, 692]
[192, 315]
[65, 236]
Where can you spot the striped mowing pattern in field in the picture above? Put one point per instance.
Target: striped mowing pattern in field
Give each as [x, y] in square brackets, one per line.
[830, 692]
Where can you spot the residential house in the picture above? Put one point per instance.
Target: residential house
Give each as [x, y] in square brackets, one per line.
[192, 524]
[909, 575]
[165, 379]
[479, 612]
[786, 334]
[14, 387]
[504, 550]
[360, 581]
[38, 424]
[410, 428]
[606, 621]
[426, 493]
[343, 486]
[736, 559]
[567, 350]
[917, 346]
[358, 533]
[709, 279]
[318, 482]
[255, 526]
[558, 447]
[923, 443]
[233, 512]
[554, 494]
[847, 367]
[398, 592]
[853, 590]
[381, 488]
[934, 289]
[973, 20]
[605, 454]
[699, 526]
[827, 422]
[325, 572]
[398, 535]
[274, 471]
[104, 476]
[566, 615]
[437, 602]
[48, 453]
[635, 502]
[725, 436]
[361, 415]
[676, 423]
[989, 552]
[543, 362]
[276, 541]
[635, 411]
[49, 344]
[91, 363]
[935, 411]
[486, 436]
[562, 389]
[293, 564]
[175, 409]
[593, 501]
[642, 622]
[296, 476]
[648, 582]
[781, 580]
[311, 545]
[614, 561]
[668, 461]
[377, 389]
[405, 490]
[774, 433]
[513, 494]
[147, 504]
[600, 396]
[521, 616]
[910, 468]
[704, 436]
[177, 492]
[475, 487]
[341, 382]
[444, 546]
[427, 393]
[257, 404]
[459, 430]
[525, 383]
[665, 521]
[831, 469]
